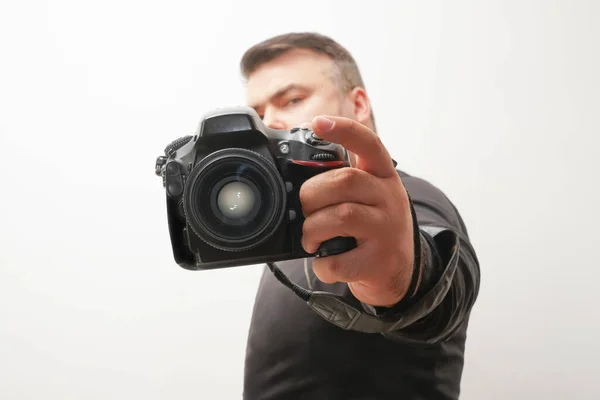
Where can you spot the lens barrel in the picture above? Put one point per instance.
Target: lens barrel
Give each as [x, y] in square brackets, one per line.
[255, 180]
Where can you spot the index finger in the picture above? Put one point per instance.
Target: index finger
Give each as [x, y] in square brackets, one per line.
[373, 157]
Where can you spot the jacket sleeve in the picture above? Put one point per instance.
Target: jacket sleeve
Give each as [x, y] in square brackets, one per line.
[451, 275]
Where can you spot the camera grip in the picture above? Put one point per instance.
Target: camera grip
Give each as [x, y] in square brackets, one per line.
[336, 245]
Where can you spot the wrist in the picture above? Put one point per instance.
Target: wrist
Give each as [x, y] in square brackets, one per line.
[412, 283]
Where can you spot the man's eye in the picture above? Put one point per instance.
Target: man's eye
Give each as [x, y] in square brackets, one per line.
[294, 101]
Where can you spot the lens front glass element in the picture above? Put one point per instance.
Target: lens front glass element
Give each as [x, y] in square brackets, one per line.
[235, 199]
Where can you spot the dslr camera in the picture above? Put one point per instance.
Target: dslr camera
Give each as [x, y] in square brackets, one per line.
[232, 191]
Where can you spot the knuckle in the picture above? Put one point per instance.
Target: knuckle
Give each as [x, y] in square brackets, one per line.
[306, 229]
[352, 125]
[345, 212]
[342, 270]
[376, 142]
[335, 267]
[305, 193]
[346, 176]
[356, 128]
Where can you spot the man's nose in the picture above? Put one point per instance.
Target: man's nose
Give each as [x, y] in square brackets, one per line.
[272, 121]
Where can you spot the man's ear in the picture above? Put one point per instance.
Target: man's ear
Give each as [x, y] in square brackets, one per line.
[361, 105]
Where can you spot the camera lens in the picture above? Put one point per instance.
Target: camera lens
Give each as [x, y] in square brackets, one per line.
[234, 199]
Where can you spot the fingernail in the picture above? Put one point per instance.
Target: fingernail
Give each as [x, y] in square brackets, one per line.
[324, 124]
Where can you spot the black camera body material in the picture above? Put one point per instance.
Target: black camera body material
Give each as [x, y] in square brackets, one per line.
[233, 187]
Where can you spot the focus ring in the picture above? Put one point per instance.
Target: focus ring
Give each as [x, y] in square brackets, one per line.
[237, 165]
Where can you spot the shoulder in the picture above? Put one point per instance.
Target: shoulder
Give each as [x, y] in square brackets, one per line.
[432, 205]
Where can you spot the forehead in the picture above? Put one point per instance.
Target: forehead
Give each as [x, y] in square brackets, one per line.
[296, 67]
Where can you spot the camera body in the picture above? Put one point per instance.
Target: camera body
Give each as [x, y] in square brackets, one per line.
[232, 190]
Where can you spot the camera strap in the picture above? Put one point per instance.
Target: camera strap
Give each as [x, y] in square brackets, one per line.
[339, 311]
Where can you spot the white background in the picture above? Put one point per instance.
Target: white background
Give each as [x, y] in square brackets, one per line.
[494, 102]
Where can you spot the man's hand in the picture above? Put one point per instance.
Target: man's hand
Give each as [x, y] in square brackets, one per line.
[366, 201]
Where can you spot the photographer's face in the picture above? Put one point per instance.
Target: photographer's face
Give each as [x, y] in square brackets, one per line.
[299, 85]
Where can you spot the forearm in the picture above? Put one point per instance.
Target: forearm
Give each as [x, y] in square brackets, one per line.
[447, 292]
[441, 307]
[447, 280]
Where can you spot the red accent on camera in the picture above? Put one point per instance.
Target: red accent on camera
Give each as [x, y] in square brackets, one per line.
[319, 163]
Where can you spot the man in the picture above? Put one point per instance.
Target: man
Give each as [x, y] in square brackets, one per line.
[413, 271]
